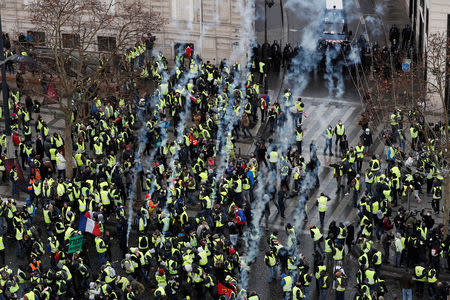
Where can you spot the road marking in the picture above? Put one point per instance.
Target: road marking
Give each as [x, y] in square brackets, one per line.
[363, 21]
[333, 100]
[357, 4]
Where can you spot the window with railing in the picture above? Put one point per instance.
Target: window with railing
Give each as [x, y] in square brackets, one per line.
[106, 43]
[70, 40]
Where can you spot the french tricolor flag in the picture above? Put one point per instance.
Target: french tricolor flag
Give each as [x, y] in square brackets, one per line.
[88, 225]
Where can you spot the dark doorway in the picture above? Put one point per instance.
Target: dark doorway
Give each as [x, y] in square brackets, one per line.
[180, 48]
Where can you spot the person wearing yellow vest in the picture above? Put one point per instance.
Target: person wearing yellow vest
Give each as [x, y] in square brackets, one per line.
[359, 157]
[338, 253]
[3, 167]
[414, 136]
[273, 159]
[98, 149]
[420, 277]
[100, 246]
[299, 138]
[317, 237]
[161, 279]
[286, 284]
[19, 238]
[340, 284]
[261, 71]
[340, 131]
[399, 245]
[13, 176]
[321, 204]
[297, 293]
[271, 261]
[437, 195]
[2, 251]
[375, 165]
[328, 135]
[322, 284]
[356, 186]
[432, 279]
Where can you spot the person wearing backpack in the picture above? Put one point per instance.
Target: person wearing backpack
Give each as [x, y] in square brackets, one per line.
[340, 284]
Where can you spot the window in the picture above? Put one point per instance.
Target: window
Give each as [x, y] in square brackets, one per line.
[183, 10]
[70, 40]
[38, 37]
[106, 43]
[333, 28]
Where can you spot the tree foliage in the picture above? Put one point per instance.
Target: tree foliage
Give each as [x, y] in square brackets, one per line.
[72, 29]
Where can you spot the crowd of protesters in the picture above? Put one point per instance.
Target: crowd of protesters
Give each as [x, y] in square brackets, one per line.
[184, 238]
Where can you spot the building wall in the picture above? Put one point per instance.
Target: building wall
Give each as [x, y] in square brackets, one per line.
[213, 26]
[439, 9]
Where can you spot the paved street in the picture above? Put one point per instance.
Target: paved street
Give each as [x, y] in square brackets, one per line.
[321, 111]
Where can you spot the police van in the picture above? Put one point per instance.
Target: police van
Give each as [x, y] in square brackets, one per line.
[335, 28]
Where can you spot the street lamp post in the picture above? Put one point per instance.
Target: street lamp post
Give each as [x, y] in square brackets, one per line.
[4, 86]
[268, 3]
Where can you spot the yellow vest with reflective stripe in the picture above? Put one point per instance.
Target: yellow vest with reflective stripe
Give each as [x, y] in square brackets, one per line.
[370, 275]
[359, 151]
[339, 254]
[19, 233]
[287, 287]
[98, 149]
[316, 233]
[273, 157]
[100, 245]
[79, 160]
[322, 205]
[161, 281]
[340, 287]
[340, 129]
[203, 258]
[105, 197]
[296, 290]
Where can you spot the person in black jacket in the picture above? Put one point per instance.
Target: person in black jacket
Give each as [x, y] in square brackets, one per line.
[29, 104]
[39, 146]
[350, 236]
[367, 141]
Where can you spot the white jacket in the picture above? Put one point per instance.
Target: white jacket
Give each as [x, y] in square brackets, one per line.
[60, 162]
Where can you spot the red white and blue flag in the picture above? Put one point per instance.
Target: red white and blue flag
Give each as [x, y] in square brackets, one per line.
[88, 225]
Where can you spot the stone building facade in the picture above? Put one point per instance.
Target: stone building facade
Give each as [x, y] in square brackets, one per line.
[428, 17]
[212, 26]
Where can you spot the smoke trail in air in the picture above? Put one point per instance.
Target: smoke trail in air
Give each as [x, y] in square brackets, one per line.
[251, 238]
[297, 76]
[142, 141]
[240, 54]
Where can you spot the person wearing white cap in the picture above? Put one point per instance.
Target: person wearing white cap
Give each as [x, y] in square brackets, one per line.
[367, 141]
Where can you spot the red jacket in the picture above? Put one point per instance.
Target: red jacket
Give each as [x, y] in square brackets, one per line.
[15, 139]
